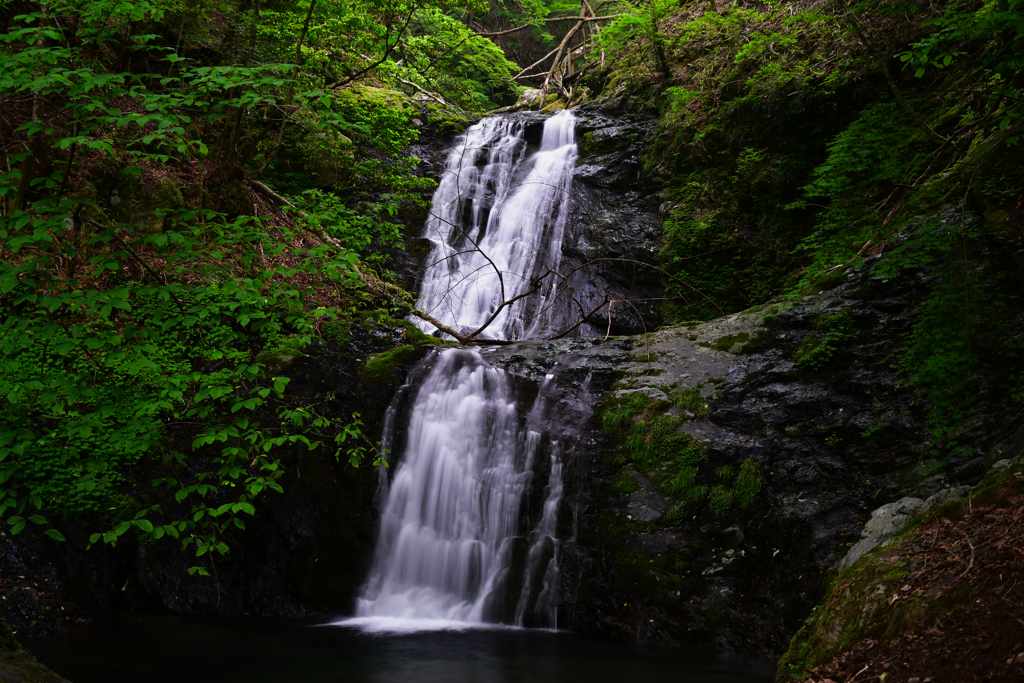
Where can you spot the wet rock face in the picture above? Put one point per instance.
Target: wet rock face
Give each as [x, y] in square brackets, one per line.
[831, 441]
[17, 665]
[615, 217]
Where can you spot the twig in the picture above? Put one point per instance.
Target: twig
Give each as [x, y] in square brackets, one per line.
[866, 245]
[971, 565]
[850, 680]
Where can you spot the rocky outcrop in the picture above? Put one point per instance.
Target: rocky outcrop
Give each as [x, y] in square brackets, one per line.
[615, 230]
[715, 428]
[933, 604]
[17, 665]
[887, 521]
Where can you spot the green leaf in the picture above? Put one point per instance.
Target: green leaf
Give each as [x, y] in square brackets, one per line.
[58, 536]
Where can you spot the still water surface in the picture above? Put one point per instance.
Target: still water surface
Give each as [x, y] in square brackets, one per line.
[178, 650]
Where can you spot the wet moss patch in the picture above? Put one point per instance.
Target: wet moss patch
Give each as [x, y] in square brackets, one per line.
[380, 368]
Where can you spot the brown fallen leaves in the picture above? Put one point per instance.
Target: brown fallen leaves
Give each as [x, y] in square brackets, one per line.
[981, 556]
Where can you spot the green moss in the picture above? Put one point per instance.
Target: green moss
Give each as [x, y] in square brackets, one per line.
[691, 401]
[724, 344]
[380, 368]
[445, 120]
[281, 348]
[830, 281]
[336, 331]
[626, 484]
[358, 95]
[553, 105]
[603, 144]
[834, 331]
[417, 337]
[748, 483]
[649, 438]
[720, 500]
[741, 342]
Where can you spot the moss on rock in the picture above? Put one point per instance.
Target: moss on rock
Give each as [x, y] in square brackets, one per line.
[871, 599]
[17, 665]
[379, 369]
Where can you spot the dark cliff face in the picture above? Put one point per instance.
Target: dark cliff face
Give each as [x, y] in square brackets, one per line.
[831, 437]
[616, 233]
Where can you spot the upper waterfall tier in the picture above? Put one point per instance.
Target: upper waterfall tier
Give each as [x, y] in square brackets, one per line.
[496, 226]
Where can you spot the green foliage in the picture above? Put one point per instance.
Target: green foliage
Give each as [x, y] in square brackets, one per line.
[781, 144]
[146, 287]
[865, 164]
[967, 319]
[942, 355]
[692, 402]
[649, 439]
[720, 500]
[990, 34]
[358, 231]
[834, 331]
[748, 483]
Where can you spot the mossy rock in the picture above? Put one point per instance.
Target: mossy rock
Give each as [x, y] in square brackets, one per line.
[418, 247]
[358, 96]
[626, 484]
[418, 337]
[17, 665]
[824, 284]
[379, 369]
[742, 342]
[859, 604]
[445, 121]
[600, 142]
[553, 106]
[281, 350]
[336, 331]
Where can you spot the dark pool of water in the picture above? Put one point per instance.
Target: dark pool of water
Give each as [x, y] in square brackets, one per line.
[179, 650]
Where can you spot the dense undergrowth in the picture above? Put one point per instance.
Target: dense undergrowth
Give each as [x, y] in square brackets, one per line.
[189, 191]
[794, 139]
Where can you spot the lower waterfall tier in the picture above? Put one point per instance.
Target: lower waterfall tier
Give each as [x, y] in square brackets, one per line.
[452, 545]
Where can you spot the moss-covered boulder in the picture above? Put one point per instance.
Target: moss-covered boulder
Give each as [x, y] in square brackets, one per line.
[378, 370]
[17, 665]
[899, 594]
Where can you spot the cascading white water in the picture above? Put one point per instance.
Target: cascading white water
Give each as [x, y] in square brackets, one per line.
[454, 499]
[449, 522]
[495, 228]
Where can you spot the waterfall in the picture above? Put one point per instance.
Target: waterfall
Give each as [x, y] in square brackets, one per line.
[497, 223]
[450, 551]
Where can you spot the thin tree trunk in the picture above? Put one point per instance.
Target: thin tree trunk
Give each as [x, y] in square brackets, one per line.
[291, 95]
